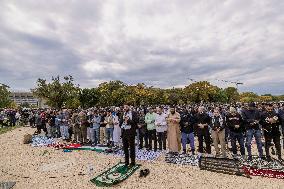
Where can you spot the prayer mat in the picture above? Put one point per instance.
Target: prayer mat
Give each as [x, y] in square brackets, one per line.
[182, 159]
[90, 148]
[7, 185]
[114, 175]
[38, 141]
[258, 163]
[270, 173]
[141, 154]
[57, 146]
[72, 146]
[221, 165]
[259, 167]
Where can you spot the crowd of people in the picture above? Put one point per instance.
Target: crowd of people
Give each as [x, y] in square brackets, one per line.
[165, 128]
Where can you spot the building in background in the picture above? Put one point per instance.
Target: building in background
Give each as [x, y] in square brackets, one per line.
[26, 98]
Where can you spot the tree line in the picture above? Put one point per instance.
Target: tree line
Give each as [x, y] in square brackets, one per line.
[64, 92]
[67, 94]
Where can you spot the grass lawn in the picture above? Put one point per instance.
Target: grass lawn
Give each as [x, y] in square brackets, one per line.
[7, 129]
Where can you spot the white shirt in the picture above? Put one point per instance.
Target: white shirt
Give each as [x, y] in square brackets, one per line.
[161, 119]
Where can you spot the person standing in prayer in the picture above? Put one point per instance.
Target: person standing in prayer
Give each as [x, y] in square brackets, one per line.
[151, 129]
[76, 127]
[187, 132]
[96, 128]
[202, 122]
[109, 128]
[218, 132]
[103, 128]
[83, 127]
[234, 122]
[161, 128]
[174, 135]
[128, 124]
[270, 122]
[142, 131]
[116, 128]
[281, 115]
[251, 117]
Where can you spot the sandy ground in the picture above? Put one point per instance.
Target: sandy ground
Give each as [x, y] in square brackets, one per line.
[30, 169]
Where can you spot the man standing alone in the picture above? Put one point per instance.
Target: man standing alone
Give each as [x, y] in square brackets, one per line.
[128, 124]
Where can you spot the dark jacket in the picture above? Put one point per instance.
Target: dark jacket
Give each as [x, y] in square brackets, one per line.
[202, 119]
[251, 119]
[129, 133]
[233, 120]
[103, 124]
[51, 120]
[186, 122]
[141, 121]
[270, 129]
[281, 115]
[217, 122]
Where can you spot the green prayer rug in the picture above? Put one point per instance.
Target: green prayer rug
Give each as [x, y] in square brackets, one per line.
[89, 148]
[114, 175]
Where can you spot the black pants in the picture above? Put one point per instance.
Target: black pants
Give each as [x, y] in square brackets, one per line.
[162, 136]
[143, 137]
[129, 143]
[282, 128]
[276, 140]
[41, 127]
[152, 136]
[203, 134]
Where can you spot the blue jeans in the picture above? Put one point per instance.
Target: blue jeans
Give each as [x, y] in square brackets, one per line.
[64, 131]
[109, 134]
[257, 134]
[185, 137]
[240, 138]
[95, 135]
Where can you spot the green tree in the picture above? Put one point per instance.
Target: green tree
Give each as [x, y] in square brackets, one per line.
[56, 93]
[231, 94]
[89, 97]
[201, 91]
[5, 100]
[108, 93]
[248, 97]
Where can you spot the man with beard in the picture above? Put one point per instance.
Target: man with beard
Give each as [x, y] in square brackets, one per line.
[218, 132]
[251, 119]
[128, 124]
[174, 136]
[270, 122]
[236, 127]
[202, 122]
[186, 124]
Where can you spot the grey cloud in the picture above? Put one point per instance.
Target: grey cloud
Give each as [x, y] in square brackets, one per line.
[156, 42]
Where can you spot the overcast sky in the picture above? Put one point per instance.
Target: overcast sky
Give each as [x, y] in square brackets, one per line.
[158, 42]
